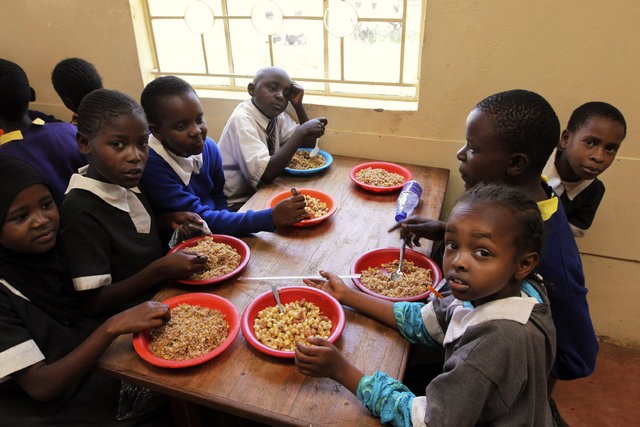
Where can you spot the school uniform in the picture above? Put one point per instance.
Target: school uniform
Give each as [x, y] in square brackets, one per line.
[560, 264]
[107, 234]
[580, 199]
[497, 360]
[195, 184]
[50, 148]
[243, 145]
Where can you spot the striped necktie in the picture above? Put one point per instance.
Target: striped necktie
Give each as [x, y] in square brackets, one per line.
[271, 135]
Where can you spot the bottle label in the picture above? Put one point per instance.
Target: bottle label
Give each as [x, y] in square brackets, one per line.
[413, 186]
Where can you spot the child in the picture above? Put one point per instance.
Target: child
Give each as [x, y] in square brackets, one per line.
[47, 346]
[258, 140]
[496, 328]
[587, 148]
[108, 229]
[73, 78]
[510, 136]
[50, 148]
[184, 172]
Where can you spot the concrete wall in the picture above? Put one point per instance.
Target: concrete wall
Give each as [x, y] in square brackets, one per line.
[570, 52]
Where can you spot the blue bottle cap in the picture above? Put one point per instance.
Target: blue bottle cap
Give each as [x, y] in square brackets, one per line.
[400, 216]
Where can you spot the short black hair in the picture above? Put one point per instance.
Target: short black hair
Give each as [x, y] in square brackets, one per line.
[100, 106]
[525, 212]
[525, 123]
[262, 72]
[73, 78]
[159, 88]
[583, 113]
[15, 92]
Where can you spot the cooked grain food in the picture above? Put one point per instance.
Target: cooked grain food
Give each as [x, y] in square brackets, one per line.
[315, 208]
[191, 332]
[222, 258]
[414, 280]
[302, 161]
[379, 177]
[300, 320]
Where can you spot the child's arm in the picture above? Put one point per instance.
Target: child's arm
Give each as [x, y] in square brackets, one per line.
[386, 398]
[374, 307]
[178, 265]
[44, 381]
[297, 93]
[306, 132]
[414, 228]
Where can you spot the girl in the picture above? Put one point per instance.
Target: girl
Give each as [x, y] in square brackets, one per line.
[108, 229]
[587, 147]
[47, 348]
[496, 328]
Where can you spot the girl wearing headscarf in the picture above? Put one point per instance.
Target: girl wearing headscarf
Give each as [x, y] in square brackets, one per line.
[47, 346]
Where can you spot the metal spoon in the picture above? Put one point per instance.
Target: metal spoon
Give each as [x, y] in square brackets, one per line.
[275, 294]
[398, 273]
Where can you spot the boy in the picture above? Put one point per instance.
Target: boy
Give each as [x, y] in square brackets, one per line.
[50, 148]
[510, 136]
[184, 171]
[258, 140]
[587, 148]
[73, 78]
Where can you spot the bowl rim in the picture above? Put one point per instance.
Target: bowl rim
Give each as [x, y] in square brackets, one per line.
[313, 193]
[328, 161]
[224, 238]
[247, 328]
[433, 266]
[405, 172]
[141, 339]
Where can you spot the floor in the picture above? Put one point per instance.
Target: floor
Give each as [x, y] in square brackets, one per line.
[608, 397]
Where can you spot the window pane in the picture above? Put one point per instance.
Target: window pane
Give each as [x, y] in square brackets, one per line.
[299, 48]
[371, 53]
[240, 7]
[167, 7]
[249, 48]
[301, 7]
[378, 8]
[216, 49]
[179, 50]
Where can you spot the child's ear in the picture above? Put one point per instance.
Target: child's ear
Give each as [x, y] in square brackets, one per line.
[518, 163]
[251, 88]
[155, 131]
[526, 264]
[83, 144]
[32, 95]
[564, 140]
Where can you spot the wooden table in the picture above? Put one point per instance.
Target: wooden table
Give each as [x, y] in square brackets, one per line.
[247, 383]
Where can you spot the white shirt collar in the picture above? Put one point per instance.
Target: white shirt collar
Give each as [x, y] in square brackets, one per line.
[115, 195]
[517, 309]
[560, 186]
[183, 166]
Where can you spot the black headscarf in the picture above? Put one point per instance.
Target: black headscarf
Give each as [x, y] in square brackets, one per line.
[39, 277]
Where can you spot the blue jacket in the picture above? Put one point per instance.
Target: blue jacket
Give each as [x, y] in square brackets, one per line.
[167, 193]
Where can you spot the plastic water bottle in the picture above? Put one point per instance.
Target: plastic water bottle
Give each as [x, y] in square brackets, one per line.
[408, 199]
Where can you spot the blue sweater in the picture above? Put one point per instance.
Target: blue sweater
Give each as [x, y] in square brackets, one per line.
[167, 193]
[560, 264]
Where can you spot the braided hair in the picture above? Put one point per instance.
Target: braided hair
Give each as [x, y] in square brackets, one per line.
[583, 113]
[529, 228]
[73, 78]
[525, 123]
[100, 106]
[155, 91]
[15, 92]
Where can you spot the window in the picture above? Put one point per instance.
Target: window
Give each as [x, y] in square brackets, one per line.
[368, 49]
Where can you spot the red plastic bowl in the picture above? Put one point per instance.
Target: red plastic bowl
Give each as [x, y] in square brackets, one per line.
[377, 257]
[324, 197]
[389, 167]
[329, 306]
[237, 244]
[228, 310]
